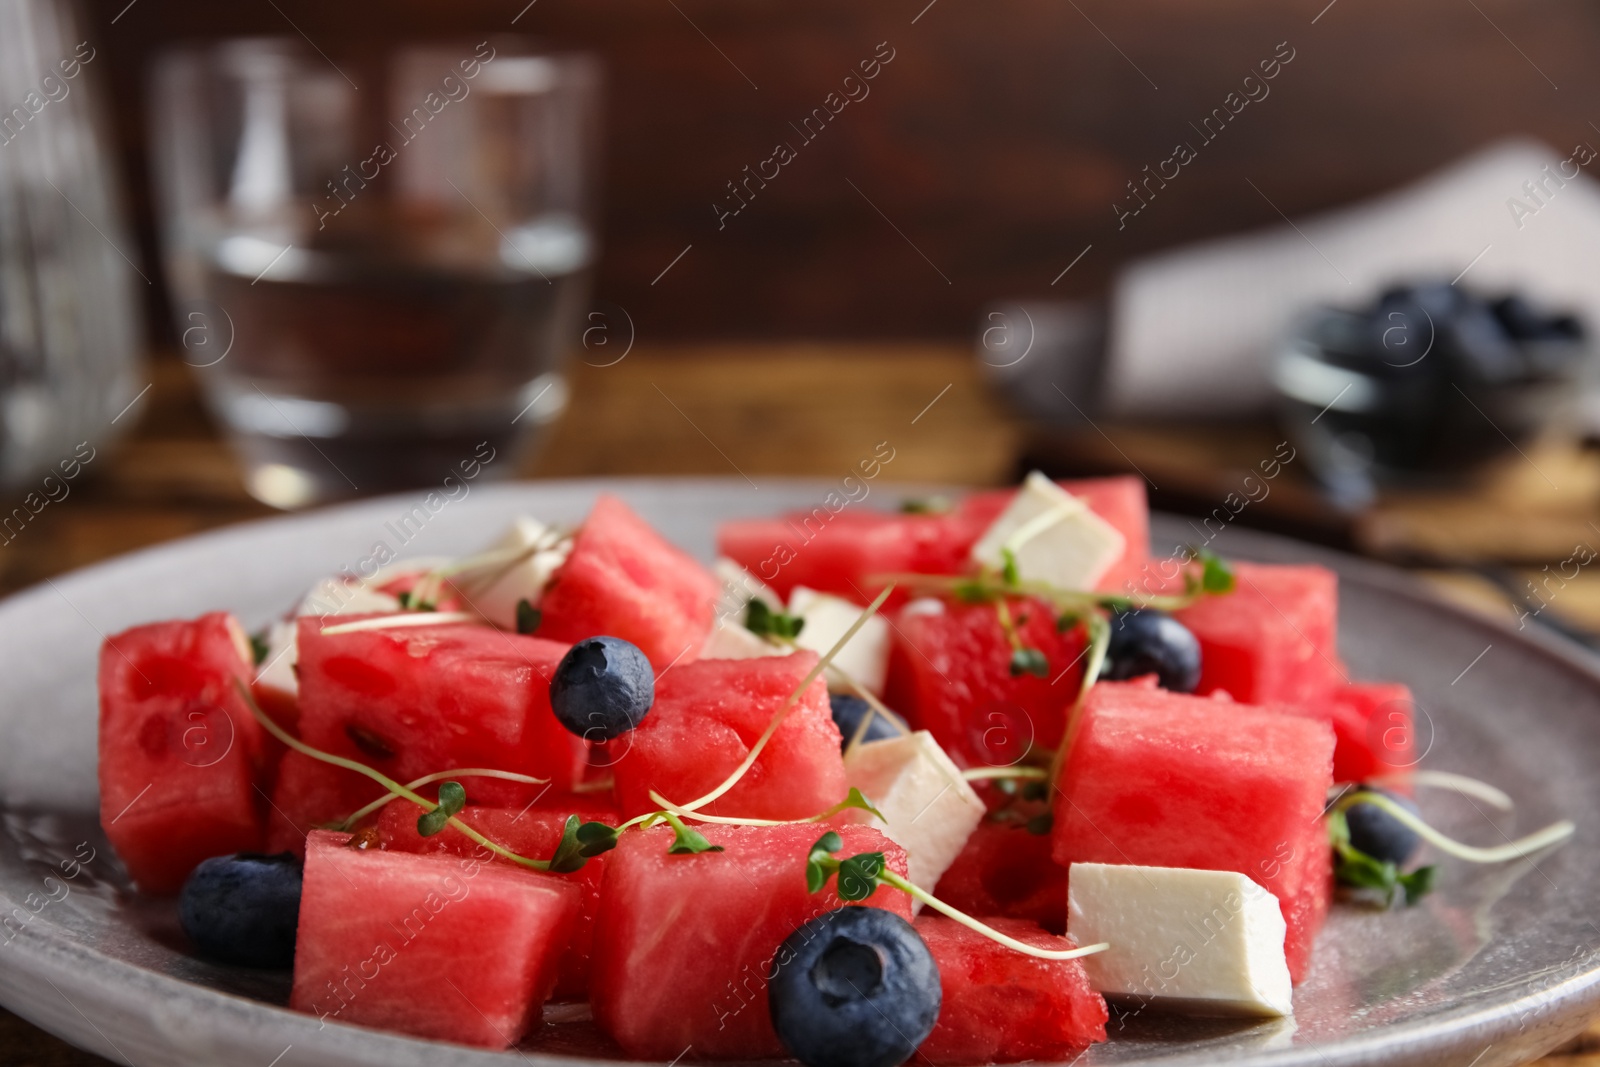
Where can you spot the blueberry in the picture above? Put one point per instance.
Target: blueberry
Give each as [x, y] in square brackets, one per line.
[1379, 834]
[1145, 641]
[243, 908]
[848, 711]
[855, 987]
[602, 688]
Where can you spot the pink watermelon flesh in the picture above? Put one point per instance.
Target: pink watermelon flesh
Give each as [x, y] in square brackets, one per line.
[840, 551]
[1374, 724]
[684, 944]
[179, 749]
[1005, 870]
[706, 717]
[1001, 1006]
[1273, 639]
[950, 673]
[532, 832]
[442, 947]
[307, 794]
[1163, 779]
[623, 579]
[410, 702]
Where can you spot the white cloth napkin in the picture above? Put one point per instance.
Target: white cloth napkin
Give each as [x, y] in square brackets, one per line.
[1193, 330]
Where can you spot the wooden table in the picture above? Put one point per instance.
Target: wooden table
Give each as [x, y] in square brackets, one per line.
[731, 410]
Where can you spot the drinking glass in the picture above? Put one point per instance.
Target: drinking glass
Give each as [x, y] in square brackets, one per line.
[378, 267]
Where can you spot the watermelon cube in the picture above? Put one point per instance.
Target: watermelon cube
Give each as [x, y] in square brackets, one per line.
[1002, 1006]
[684, 945]
[838, 550]
[443, 947]
[1374, 727]
[1163, 779]
[1006, 870]
[179, 749]
[308, 793]
[706, 717]
[950, 674]
[1273, 639]
[623, 579]
[413, 701]
[532, 832]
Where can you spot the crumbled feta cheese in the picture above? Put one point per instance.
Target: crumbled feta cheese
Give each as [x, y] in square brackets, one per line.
[1206, 942]
[730, 640]
[739, 587]
[865, 658]
[928, 808]
[1065, 543]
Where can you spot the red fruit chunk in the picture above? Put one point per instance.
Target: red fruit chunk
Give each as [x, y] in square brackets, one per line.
[840, 551]
[532, 832]
[413, 701]
[1001, 1006]
[1273, 638]
[706, 718]
[441, 947]
[950, 673]
[308, 793]
[1005, 870]
[1374, 729]
[623, 579]
[684, 944]
[1163, 779]
[179, 749]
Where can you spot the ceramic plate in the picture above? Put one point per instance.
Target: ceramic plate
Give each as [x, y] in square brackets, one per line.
[1497, 966]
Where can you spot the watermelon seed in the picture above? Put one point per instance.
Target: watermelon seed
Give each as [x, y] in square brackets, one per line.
[368, 741]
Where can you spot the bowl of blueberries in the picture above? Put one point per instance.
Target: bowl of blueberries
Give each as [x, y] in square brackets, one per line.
[1422, 386]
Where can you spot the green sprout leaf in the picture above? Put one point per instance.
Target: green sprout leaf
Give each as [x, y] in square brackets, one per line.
[1066, 622]
[971, 591]
[1417, 884]
[853, 799]
[528, 617]
[927, 505]
[687, 841]
[1216, 576]
[820, 862]
[1008, 566]
[259, 647]
[452, 798]
[858, 876]
[760, 618]
[581, 842]
[1029, 661]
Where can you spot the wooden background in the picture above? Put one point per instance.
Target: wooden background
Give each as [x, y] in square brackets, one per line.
[995, 142]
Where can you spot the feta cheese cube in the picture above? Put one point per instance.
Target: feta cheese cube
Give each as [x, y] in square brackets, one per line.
[546, 549]
[1205, 942]
[928, 808]
[739, 587]
[1065, 543]
[730, 640]
[865, 658]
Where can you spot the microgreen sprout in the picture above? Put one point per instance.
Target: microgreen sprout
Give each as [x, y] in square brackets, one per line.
[1357, 870]
[1455, 783]
[927, 505]
[528, 617]
[581, 842]
[452, 798]
[259, 648]
[399, 621]
[763, 620]
[858, 877]
[854, 799]
[1553, 834]
[439, 776]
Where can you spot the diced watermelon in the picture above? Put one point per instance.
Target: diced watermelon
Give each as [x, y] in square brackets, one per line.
[707, 716]
[1164, 779]
[1005, 870]
[623, 579]
[684, 944]
[1273, 638]
[533, 832]
[1374, 724]
[179, 749]
[838, 550]
[950, 674]
[443, 947]
[308, 793]
[413, 701]
[1001, 1006]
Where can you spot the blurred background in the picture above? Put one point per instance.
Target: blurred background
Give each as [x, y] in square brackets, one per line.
[1081, 236]
[1325, 268]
